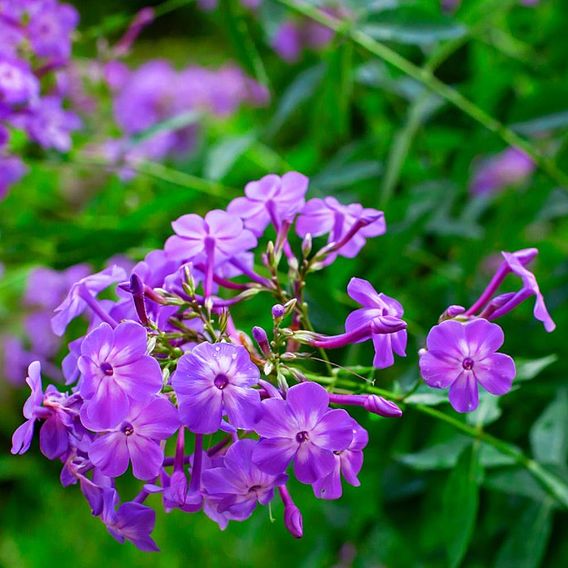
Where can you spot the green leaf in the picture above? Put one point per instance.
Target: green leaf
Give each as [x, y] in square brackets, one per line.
[176, 122]
[548, 435]
[427, 396]
[460, 503]
[528, 369]
[416, 33]
[438, 456]
[223, 155]
[301, 89]
[526, 544]
[515, 481]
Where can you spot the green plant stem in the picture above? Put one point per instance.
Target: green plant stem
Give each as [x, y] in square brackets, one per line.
[426, 77]
[550, 482]
[160, 172]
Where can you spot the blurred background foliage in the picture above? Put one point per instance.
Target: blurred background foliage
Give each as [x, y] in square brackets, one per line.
[363, 130]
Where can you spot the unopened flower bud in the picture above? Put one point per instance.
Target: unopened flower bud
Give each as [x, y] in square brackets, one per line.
[307, 245]
[261, 338]
[293, 521]
[452, 312]
[387, 324]
[278, 311]
[382, 407]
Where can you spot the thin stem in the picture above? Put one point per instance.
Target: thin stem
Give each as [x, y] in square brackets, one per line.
[425, 77]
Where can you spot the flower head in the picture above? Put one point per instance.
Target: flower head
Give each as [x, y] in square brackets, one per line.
[272, 199]
[328, 216]
[376, 305]
[137, 440]
[213, 380]
[115, 370]
[301, 429]
[462, 355]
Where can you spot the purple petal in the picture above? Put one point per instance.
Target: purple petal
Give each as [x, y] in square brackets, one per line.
[22, 437]
[202, 412]
[363, 292]
[157, 420]
[495, 373]
[308, 402]
[146, 455]
[482, 338]
[242, 405]
[329, 486]
[439, 372]
[53, 438]
[273, 455]
[109, 453]
[312, 463]
[107, 409]
[383, 351]
[448, 338]
[464, 394]
[334, 431]
[277, 420]
[135, 523]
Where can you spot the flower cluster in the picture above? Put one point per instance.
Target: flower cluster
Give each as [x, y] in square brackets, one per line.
[34, 51]
[462, 349]
[210, 417]
[157, 96]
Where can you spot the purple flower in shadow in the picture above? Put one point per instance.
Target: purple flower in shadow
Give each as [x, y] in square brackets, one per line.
[238, 485]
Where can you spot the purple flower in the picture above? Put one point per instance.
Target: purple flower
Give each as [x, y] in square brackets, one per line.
[287, 41]
[53, 407]
[82, 294]
[272, 199]
[50, 125]
[18, 85]
[304, 430]
[347, 463]
[460, 355]
[50, 29]
[219, 236]
[238, 485]
[213, 380]
[510, 167]
[321, 216]
[136, 440]
[11, 171]
[132, 521]
[213, 240]
[375, 305]
[115, 370]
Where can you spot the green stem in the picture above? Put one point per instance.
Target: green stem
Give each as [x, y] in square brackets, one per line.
[550, 482]
[426, 77]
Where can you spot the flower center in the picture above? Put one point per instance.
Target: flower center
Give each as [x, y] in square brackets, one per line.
[302, 437]
[107, 369]
[221, 381]
[127, 429]
[254, 489]
[467, 363]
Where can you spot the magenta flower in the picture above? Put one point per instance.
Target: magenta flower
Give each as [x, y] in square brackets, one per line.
[321, 216]
[347, 463]
[136, 439]
[82, 294]
[115, 370]
[132, 521]
[272, 199]
[238, 485]
[213, 380]
[304, 430]
[375, 305]
[461, 355]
